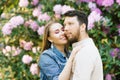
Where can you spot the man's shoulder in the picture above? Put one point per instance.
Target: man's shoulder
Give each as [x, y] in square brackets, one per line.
[88, 51]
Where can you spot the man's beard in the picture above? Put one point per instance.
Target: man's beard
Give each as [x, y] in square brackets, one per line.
[74, 39]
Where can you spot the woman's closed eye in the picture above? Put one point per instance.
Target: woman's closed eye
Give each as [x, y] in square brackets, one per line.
[57, 31]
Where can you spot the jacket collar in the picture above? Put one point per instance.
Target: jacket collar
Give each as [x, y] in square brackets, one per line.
[58, 53]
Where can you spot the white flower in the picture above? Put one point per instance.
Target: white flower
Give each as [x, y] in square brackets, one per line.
[23, 3]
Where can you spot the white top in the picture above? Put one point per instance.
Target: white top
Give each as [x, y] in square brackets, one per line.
[87, 64]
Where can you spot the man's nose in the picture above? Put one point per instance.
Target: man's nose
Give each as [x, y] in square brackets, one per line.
[62, 32]
[66, 28]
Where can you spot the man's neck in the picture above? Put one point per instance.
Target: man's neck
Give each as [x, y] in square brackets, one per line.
[81, 40]
[83, 36]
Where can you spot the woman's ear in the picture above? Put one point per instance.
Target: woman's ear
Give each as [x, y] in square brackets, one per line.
[49, 39]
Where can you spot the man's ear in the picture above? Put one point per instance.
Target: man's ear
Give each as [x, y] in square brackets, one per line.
[49, 39]
[82, 27]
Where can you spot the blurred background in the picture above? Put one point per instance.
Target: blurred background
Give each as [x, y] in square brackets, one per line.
[21, 28]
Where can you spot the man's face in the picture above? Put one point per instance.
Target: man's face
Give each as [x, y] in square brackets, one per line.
[72, 28]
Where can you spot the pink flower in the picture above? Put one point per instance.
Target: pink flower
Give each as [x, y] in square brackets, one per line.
[23, 3]
[44, 17]
[20, 20]
[40, 30]
[26, 59]
[16, 20]
[28, 45]
[27, 23]
[108, 77]
[40, 6]
[11, 51]
[34, 69]
[57, 9]
[107, 3]
[35, 2]
[90, 18]
[96, 16]
[86, 0]
[13, 22]
[92, 5]
[22, 43]
[66, 8]
[114, 52]
[97, 10]
[90, 26]
[34, 26]
[16, 51]
[36, 12]
[7, 50]
[7, 29]
[93, 17]
[118, 1]
[99, 2]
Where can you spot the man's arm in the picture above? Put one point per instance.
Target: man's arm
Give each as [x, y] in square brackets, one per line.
[98, 69]
[84, 64]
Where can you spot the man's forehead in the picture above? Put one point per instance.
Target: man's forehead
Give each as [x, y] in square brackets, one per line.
[67, 19]
[70, 18]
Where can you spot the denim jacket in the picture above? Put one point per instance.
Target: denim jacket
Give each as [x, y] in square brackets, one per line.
[51, 63]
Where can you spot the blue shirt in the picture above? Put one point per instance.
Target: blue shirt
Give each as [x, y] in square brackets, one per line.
[51, 63]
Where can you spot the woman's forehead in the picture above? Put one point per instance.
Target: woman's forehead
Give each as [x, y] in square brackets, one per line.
[55, 26]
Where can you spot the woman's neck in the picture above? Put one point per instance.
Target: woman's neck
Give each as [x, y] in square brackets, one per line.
[61, 48]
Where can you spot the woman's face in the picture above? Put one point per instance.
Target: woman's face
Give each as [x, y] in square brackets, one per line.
[57, 35]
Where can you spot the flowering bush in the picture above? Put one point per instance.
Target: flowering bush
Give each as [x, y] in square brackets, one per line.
[21, 29]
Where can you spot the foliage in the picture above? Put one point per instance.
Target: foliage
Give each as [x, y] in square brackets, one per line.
[26, 37]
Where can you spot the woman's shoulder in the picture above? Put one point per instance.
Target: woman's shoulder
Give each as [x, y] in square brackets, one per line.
[47, 56]
[47, 52]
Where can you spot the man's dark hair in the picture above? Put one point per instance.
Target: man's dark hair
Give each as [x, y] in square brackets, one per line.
[81, 16]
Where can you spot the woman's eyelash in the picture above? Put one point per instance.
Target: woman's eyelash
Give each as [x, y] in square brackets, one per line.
[56, 32]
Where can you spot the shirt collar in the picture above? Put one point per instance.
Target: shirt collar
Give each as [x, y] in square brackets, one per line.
[82, 42]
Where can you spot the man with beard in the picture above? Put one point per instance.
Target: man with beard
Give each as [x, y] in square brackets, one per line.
[87, 64]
